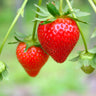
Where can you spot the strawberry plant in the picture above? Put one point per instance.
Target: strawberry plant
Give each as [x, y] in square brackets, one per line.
[58, 32]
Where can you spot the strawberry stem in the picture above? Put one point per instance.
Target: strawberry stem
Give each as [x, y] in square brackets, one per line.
[60, 7]
[35, 22]
[13, 23]
[92, 4]
[82, 35]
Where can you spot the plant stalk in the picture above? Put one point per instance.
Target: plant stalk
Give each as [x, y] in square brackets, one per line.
[82, 35]
[93, 5]
[35, 22]
[13, 23]
[60, 7]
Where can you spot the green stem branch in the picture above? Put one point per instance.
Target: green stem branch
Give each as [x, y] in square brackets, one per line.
[35, 22]
[93, 5]
[83, 38]
[60, 7]
[13, 23]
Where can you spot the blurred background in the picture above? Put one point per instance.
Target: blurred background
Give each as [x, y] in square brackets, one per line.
[54, 79]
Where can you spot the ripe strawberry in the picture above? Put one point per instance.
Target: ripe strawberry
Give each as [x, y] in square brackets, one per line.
[59, 38]
[32, 60]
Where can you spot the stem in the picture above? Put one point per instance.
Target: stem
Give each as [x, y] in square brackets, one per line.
[13, 23]
[92, 4]
[60, 7]
[82, 35]
[35, 23]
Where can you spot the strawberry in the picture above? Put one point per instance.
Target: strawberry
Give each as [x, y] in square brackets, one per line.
[59, 37]
[32, 60]
[87, 69]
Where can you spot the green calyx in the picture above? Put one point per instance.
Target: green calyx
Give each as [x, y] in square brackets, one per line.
[60, 14]
[20, 37]
[2, 66]
[30, 42]
[3, 70]
[52, 10]
[84, 55]
[54, 13]
[87, 61]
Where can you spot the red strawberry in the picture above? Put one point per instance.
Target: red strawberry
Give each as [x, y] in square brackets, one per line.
[59, 38]
[32, 60]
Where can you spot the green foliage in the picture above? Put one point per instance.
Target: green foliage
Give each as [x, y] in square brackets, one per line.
[78, 20]
[66, 8]
[22, 13]
[93, 50]
[53, 10]
[87, 61]
[94, 33]
[44, 14]
[75, 59]
[79, 13]
[3, 70]
[46, 22]
[54, 79]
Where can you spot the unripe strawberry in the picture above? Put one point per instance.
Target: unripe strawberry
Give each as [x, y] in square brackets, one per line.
[87, 69]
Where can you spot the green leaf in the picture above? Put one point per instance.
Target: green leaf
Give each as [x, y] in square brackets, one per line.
[67, 12]
[1, 77]
[78, 20]
[67, 7]
[18, 39]
[75, 59]
[46, 22]
[5, 73]
[79, 52]
[12, 42]
[41, 9]
[94, 33]
[2, 66]
[40, 19]
[52, 10]
[79, 13]
[29, 44]
[3, 70]
[42, 14]
[86, 62]
[93, 50]
[22, 13]
[19, 34]
[94, 62]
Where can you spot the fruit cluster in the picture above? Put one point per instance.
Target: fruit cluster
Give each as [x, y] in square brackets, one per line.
[57, 38]
[57, 34]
